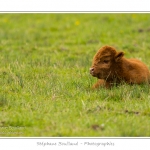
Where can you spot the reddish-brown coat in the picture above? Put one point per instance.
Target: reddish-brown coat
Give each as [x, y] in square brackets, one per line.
[111, 67]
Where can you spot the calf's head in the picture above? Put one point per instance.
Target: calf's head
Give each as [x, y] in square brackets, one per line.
[106, 62]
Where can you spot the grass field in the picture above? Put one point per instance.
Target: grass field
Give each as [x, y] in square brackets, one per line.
[45, 80]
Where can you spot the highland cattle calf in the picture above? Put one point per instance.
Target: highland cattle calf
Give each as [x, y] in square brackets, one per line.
[111, 67]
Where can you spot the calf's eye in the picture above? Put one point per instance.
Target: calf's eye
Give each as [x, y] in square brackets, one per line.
[106, 61]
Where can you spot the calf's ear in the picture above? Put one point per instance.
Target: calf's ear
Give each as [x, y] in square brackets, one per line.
[118, 56]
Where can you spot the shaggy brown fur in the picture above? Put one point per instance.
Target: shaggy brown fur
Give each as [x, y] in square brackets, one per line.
[110, 67]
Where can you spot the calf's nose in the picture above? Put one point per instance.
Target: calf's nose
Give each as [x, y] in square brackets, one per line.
[91, 70]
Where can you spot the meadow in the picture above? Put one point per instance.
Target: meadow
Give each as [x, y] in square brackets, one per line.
[45, 82]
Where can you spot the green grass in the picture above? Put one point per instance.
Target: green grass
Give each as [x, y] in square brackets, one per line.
[45, 80]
